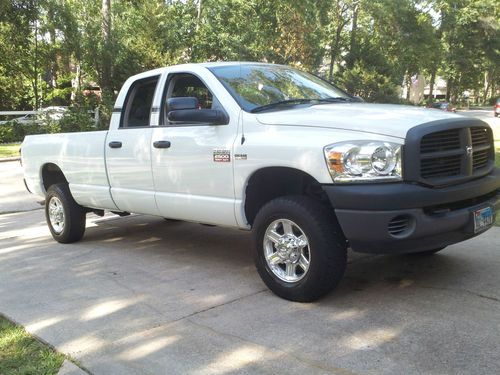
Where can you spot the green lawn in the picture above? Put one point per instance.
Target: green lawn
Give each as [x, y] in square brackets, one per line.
[22, 354]
[9, 149]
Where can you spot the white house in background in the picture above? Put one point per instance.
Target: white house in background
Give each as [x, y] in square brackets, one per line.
[420, 89]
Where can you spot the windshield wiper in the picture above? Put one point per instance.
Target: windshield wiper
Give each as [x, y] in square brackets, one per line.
[281, 103]
[333, 99]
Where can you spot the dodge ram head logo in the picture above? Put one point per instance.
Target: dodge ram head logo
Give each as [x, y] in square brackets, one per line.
[468, 151]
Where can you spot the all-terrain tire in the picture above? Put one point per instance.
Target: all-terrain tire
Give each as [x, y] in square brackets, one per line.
[326, 247]
[65, 217]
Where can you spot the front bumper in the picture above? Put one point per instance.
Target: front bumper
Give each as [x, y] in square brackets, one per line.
[405, 218]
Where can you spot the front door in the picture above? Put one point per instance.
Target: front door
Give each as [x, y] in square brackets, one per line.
[194, 174]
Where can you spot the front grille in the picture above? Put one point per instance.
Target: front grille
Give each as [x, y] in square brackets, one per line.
[457, 154]
[479, 136]
[441, 166]
[480, 159]
[440, 141]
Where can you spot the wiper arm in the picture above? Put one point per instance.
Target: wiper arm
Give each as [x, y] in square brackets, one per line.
[281, 103]
[333, 99]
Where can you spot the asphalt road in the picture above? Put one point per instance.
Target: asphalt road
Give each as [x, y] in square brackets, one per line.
[143, 296]
[487, 116]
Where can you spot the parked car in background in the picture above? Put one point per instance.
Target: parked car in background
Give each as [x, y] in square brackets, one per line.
[443, 106]
[49, 113]
[496, 108]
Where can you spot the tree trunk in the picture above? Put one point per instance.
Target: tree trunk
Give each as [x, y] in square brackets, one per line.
[35, 72]
[449, 83]
[335, 50]
[353, 42]
[106, 39]
[430, 99]
[408, 87]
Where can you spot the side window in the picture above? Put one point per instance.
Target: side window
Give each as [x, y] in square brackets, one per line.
[138, 104]
[183, 85]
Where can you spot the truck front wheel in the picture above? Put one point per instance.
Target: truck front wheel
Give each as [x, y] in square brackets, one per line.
[65, 217]
[300, 250]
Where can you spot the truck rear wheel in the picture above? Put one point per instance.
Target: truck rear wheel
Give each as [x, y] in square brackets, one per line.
[65, 217]
[300, 250]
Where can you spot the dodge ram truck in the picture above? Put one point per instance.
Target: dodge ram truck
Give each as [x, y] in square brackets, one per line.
[309, 169]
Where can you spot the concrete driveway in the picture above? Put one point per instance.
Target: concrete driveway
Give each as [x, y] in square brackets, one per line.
[140, 295]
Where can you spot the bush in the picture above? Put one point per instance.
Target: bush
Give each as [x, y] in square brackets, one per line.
[13, 131]
[370, 85]
[75, 120]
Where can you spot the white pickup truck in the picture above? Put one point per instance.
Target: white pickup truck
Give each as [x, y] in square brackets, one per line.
[309, 169]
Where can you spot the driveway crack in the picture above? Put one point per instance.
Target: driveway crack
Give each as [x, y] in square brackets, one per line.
[309, 362]
[471, 292]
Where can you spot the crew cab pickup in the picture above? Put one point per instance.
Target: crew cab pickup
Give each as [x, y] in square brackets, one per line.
[311, 170]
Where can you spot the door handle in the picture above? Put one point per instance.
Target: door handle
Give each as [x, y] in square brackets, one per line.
[161, 144]
[115, 144]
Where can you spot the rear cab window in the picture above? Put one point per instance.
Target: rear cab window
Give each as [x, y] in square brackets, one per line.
[138, 104]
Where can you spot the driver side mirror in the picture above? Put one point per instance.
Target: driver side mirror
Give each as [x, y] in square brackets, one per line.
[186, 110]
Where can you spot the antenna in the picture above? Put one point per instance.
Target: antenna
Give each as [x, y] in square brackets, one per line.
[241, 77]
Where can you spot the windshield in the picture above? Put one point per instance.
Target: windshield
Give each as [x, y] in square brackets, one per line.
[261, 86]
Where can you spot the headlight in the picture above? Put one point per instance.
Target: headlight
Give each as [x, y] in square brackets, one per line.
[364, 161]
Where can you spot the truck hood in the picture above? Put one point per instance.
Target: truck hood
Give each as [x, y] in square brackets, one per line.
[384, 119]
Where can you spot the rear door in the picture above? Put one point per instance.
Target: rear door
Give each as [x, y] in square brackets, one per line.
[128, 150]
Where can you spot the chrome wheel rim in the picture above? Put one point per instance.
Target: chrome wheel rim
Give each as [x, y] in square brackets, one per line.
[286, 250]
[56, 215]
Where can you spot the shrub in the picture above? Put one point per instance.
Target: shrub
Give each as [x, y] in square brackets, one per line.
[370, 85]
[74, 120]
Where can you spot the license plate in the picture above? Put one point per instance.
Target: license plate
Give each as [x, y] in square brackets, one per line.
[483, 219]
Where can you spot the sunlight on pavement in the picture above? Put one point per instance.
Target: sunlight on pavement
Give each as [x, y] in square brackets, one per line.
[371, 338]
[348, 314]
[238, 359]
[86, 344]
[42, 324]
[150, 347]
[107, 308]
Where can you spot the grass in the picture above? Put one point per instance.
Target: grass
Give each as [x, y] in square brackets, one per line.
[9, 149]
[22, 354]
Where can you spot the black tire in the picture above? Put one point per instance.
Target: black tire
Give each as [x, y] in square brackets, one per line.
[429, 252]
[73, 220]
[326, 249]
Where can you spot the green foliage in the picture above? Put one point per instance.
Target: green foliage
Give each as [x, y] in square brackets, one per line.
[370, 85]
[13, 131]
[77, 119]
[53, 49]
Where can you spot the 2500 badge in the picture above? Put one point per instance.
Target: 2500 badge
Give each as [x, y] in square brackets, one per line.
[222, 156]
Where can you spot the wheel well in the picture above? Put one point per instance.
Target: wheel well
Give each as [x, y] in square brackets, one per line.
[269, 183]
[52, 174]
